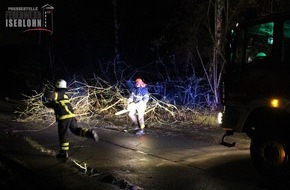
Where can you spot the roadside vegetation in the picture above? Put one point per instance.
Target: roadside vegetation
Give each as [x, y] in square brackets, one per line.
[175, 102]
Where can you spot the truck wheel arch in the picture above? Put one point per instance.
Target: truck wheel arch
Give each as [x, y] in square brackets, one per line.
[262, 120]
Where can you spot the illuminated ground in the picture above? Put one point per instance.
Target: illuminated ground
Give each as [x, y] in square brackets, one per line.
[29, 167]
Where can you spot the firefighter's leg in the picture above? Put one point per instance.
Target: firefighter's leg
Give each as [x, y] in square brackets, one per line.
[82, 132]
[132, 114]
[63, 139]
[141, 112]
[141, 121]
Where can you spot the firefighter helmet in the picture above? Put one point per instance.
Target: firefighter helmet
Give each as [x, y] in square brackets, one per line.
[60, 83]
[140, 83]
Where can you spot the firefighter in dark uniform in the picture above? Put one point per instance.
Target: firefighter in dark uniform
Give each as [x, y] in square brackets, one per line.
[59, 101]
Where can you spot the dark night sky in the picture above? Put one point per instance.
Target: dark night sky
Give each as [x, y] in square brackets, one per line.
[83, 36]
[83, 30]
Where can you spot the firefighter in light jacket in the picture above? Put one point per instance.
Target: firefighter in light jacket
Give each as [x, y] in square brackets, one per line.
[137, 104]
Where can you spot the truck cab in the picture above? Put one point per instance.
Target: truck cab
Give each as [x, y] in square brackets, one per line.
[255, 90]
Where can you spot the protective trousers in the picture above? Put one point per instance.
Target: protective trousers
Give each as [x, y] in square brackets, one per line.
[70, 123]
[137, 112]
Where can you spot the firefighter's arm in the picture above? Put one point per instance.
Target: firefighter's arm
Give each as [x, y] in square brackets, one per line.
[48, 98]
[145, 97]
[131, 98]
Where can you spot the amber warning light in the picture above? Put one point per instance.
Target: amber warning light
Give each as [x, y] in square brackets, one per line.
[274, 103]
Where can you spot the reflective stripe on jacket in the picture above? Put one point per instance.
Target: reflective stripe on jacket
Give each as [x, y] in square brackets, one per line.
[62, 107]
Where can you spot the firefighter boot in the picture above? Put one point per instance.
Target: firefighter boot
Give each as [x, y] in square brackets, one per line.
[62, 155]
[140, 132]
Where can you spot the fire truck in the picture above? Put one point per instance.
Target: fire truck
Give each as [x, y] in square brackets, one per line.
[255, 90]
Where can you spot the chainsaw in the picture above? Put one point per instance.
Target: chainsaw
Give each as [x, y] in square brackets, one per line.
[121, 112]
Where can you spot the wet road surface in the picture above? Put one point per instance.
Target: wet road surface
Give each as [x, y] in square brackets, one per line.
[158, 160]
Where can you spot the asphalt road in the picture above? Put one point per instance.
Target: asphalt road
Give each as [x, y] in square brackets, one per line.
[160, 160]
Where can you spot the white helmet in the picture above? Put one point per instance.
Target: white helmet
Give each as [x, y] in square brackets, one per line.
[60, 83]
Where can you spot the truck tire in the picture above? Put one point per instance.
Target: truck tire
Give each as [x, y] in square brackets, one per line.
[270, 156]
